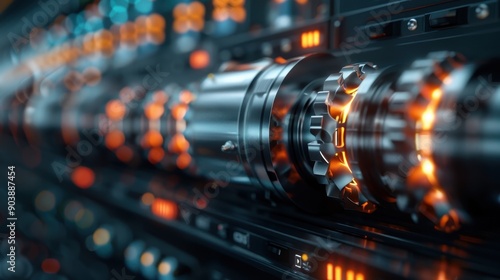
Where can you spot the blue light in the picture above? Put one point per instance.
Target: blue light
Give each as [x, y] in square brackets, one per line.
[118, 15]
[143, 6]
[94, 24]
[121, 3]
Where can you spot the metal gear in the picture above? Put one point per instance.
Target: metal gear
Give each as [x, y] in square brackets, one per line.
[328, 126]
[420, 192]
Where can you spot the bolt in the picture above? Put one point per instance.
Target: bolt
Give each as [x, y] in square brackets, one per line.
[412, 24]
[482, 11]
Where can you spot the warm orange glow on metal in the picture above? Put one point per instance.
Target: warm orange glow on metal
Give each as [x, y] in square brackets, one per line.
[310, 39]
[280, 60]
[165, 209]
[114, 139]
[329, 271]
[83, 177]
[199, 59]
[189, 17]
[301, 2]
[115, 110]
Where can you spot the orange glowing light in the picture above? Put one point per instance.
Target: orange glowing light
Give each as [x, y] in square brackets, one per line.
[437, 93]
[179, 111]
[155, 22]
[338, 272]
[329, 271]
[350, 275]
[310, 39]
[280, 60]
[179, 144]
[83, 177]
[189, 17]
[115, 110]
[124, 153]
[147, 259]
[160, 97]
[183, 161]
[428, 118]
[147, 198]
[128, 33]
[238, 14]
[164, 268]
[114, 139]
[428, 167]
[224, 9]
[154, 111]
[439, 194]
[301, 2]
[186, 97]
[155, 155]
[51, 266]
[199, 59]
[360, 276]
[153, 138]
[163, 208]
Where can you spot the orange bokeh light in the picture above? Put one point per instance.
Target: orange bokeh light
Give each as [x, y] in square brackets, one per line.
[310, 39]
[83, 177]
[154, 111]
[186, 97]
[179, 111]
[115, 110]
[165, 209]
[155, 155]
[178, 144]
[199, 59]
[114, 139]
[124, 153]
[51, 266]
[183, 161]
[153, 138]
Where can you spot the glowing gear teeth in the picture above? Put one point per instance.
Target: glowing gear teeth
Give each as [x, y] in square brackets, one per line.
[328, 126]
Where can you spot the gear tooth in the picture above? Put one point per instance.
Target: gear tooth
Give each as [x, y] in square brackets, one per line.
[327, 150]
[320, 107]
[331, 83]
[328, 105]
[402, 201]
[330, 98]
[332, 191]
[314, 149]
[316, 123]
[320, 169]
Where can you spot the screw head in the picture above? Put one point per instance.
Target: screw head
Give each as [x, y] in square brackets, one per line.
[482, 11]
[412, 24]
